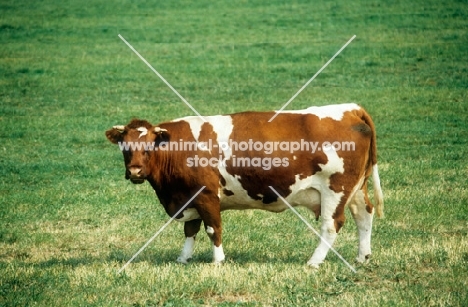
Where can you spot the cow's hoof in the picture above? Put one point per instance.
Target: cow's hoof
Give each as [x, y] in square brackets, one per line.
[220, 262]
[363, 259]
[313, 265]
[183, 260]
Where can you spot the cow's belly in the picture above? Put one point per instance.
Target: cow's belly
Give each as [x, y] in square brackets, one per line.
[309, 198]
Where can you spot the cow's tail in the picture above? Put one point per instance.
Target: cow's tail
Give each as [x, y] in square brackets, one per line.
[378, 195]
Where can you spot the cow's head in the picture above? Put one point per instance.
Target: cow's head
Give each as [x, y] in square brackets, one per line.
[137, 141]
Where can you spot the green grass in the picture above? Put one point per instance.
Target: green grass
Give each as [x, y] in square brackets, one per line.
[69, 220]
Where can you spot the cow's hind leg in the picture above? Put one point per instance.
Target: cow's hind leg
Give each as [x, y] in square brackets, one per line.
[191, 229]
[362, 211]
[332, 211]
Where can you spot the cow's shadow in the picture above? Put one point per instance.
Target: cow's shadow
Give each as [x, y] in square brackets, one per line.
[119, 258]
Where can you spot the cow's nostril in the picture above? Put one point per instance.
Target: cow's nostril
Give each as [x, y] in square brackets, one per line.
[135, 171]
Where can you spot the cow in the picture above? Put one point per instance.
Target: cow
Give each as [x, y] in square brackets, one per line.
[319, 158]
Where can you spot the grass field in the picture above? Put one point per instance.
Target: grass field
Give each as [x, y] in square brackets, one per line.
[69, 220]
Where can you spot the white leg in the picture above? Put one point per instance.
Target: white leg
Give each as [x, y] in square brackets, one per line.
[328, 236]
[329, 204]
[363, 221]
[187, 251]
[218, 254]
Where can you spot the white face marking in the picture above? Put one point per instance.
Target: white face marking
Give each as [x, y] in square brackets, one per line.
[189, 214]
[209, 230]
[333, 111]
[143, 131]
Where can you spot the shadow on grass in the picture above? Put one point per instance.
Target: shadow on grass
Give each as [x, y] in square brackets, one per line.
[119, 257]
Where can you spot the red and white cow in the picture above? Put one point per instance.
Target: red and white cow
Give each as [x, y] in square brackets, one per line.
[320, 158]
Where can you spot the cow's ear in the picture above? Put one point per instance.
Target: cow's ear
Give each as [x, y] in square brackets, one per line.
[115, 134]
[159, 130]
[162, 135]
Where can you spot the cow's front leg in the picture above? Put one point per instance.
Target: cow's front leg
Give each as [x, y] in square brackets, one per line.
[215, 235]
[191, 229]
[211, 217]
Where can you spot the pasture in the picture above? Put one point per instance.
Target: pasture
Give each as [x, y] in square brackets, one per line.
[69, 219]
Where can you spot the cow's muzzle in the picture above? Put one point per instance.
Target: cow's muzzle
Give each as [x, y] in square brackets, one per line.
[135, 175]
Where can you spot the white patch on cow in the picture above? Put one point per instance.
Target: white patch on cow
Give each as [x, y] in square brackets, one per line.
[189, 214]
[233, 184]
[209, 230]
[223, 127]
[218, 254]
[330, 199]
[315, 189]
[143, 131]
[195, 124]
[187, 250]
[241, 200]
[333, 111]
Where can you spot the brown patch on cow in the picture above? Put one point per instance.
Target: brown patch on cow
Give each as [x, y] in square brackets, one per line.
[362, 128]
[369, 206]
[256, 180]
[317, 211]
[339, 217]
[228, 192]
[222, 181]
[192, 227]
